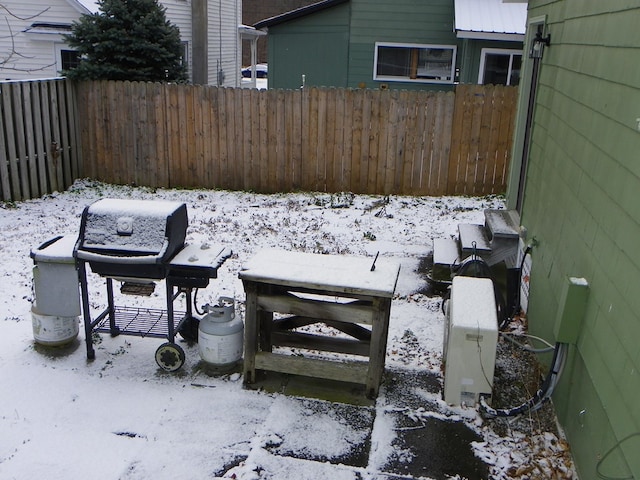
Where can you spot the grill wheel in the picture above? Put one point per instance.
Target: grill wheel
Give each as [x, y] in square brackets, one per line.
[170, 357]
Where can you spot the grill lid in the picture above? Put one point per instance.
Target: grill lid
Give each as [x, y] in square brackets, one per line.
[131, 231]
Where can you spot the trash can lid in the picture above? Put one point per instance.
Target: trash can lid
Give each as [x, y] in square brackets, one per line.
[56, 250]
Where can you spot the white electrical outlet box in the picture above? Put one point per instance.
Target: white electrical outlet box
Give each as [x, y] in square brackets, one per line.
[470, 341]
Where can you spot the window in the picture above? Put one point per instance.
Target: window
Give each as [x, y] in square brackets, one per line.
[66, 58]
[69, 59]
[500, 67]
[414, 63]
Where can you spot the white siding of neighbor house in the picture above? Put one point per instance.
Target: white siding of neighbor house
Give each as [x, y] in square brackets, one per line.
[39, 53]
[224, 45]
[179, 13]
[35, 54]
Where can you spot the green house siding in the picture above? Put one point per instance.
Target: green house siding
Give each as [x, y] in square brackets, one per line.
[336, 46]
[582, 205]
[400, 21]
[315, 46]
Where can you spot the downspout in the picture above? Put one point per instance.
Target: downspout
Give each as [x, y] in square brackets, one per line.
[200, 42]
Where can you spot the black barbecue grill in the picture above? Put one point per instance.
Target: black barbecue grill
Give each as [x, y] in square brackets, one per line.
[139, 242]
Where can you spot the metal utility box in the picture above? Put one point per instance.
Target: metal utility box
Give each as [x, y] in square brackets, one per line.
[573, 304]
[470, 341]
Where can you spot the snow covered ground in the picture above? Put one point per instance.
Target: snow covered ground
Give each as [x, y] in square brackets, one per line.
[120, 416]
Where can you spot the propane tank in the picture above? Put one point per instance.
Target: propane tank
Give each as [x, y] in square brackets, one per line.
[220, 335]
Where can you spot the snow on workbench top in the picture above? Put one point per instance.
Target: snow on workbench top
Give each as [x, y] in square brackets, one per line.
[331, 272]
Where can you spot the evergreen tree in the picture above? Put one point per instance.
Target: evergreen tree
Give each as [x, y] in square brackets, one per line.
[127, 40]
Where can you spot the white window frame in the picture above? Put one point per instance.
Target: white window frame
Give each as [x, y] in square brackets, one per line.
[393, 78]
[498, 51]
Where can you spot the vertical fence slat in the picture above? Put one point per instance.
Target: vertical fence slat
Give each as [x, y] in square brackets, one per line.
[365, 157]
[354, 157]
[280, 150]
[212, 138]
[296, 140]
[394, 149]
[22, 158]
[414, 174]
[64, 138]
[29, 139]
[75, 146]
[344, 139]
[12, 154]
[5, 181]
[245, 126]
[313, 140]
[446, 109]
[378, 120]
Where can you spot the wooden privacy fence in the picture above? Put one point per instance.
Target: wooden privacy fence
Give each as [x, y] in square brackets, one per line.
[316, 139]
[39, 149]
[160, 135]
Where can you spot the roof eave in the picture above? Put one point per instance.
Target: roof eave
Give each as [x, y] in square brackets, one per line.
[297, 13]
[506, 37]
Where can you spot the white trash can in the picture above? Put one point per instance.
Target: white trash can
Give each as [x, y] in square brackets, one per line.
[56, 305]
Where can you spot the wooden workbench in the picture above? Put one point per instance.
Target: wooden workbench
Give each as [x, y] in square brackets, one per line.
[342, 292]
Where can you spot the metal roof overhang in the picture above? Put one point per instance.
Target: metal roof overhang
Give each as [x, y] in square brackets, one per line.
[490, 20]
[247, 32]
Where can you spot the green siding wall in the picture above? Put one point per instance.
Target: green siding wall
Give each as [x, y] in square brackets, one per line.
[408, 21]
[316, 46]
[336, 46]
[582, 203]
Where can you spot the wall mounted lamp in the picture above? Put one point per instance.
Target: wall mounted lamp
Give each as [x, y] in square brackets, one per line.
[538, 44]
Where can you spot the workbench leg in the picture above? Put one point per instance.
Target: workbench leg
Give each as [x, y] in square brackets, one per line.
[378, 347]
[250, 332]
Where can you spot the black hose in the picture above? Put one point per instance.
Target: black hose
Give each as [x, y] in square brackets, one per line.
[541, 396]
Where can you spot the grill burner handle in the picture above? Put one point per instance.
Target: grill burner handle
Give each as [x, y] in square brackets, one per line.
[129, 260]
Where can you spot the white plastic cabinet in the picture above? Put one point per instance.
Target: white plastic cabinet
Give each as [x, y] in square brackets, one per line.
[470, 340]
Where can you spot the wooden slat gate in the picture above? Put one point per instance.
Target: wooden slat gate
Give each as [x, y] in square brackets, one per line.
[39, 148]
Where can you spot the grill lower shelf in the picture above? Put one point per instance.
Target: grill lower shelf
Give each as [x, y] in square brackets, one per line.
[140, 322]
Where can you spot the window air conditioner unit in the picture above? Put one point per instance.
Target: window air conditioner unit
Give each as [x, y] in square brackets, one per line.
[470, 340]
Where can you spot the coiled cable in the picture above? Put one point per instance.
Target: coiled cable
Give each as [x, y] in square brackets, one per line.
[542, 395]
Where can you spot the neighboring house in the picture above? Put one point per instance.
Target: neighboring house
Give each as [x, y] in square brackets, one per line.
[255, 10]
[407, 44]
[31, 43]
[575, 181]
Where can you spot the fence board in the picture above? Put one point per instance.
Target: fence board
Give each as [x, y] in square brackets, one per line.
[12, 153]
[21, 147]
[355, 107]
[5, 181]
[47, 99]
[29, 140]
[64, 139]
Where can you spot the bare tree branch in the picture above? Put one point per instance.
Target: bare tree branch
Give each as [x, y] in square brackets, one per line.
[12, 53]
